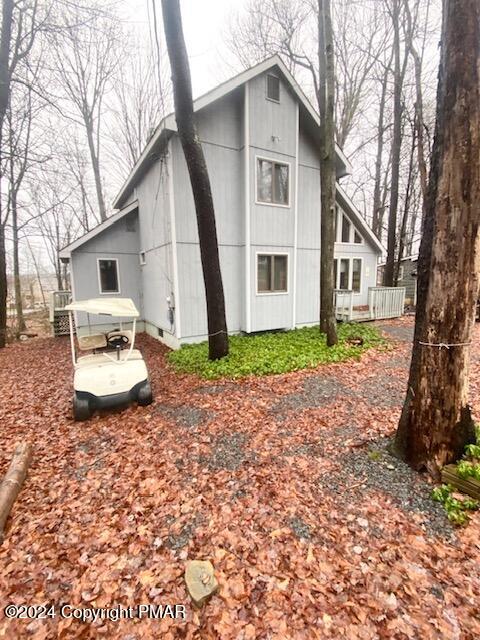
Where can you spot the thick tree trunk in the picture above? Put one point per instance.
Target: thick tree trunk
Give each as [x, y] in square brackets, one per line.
[326, 103]
[13, 481]
[200, 182]
[396, 148]
[96, 169]
[436, 423]
[21, 326]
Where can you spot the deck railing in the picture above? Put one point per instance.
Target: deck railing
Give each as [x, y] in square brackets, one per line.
[383, 302]
[58, 302]
[386, 302]
[343, 304]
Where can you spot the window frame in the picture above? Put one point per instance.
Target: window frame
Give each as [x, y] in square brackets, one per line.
[271, 254]
[273, 161]
[272, 75]
[353, 229]
[108, 293]
[350, 273]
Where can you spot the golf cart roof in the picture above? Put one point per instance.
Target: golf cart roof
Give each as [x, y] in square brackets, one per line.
[119, 307]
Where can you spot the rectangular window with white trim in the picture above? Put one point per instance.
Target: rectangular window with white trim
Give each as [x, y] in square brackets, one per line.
[108, 276]
[272, 270]
[348, 274]
[272, 182]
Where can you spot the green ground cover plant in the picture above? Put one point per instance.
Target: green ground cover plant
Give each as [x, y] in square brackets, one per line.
[277, 352]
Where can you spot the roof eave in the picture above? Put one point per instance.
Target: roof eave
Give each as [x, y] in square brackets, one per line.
[66, 252]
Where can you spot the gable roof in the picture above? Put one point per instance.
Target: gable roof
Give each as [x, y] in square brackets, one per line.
[65, 253]
[168, 124]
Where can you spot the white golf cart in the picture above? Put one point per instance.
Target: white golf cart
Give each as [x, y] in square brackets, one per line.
[113, 373]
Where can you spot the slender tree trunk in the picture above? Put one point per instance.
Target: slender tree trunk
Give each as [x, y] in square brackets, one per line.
[200, 182]
[96, 169]
[326, 103]
[417, 61]
[37, 273]
[396, 148]
[406, 208]
[378, 211]
[436, 422]
[3, 289]
[5, 39]
[21, 326]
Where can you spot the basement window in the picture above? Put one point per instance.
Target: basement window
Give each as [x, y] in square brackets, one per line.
[108, 276]
[272, 273]
[273, 88]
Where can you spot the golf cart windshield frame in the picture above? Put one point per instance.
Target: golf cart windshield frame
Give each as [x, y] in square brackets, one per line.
[105, 354]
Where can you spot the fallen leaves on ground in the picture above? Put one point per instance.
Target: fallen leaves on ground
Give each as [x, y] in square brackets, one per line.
[247, 475]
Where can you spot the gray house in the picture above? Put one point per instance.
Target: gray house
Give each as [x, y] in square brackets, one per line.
[260, 137]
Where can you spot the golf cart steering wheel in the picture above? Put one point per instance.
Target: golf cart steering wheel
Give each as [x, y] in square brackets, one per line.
[117, 340]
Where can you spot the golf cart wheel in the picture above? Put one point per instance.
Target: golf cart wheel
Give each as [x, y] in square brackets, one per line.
[81, 408]
[145, 394]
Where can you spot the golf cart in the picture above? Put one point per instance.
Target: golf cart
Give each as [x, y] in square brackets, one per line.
[113, 373]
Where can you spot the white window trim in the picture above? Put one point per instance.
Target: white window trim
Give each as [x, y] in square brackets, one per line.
[266, 88]
[273, 204]
[271, 253]
[353, 228]
[108, 293]
[350, 273]
[401, 272]
[142, 258]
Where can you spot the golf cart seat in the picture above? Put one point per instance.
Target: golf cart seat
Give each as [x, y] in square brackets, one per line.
[93, 341]
[123, 337]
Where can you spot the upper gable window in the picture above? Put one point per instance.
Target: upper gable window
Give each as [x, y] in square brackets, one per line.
[272, 182]
[345, 232]
[273, 88]
[108, 276]
[131, 222]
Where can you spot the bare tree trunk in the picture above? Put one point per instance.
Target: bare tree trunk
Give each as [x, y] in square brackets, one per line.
[417, 60]
[20, 319]
[406, 207]
[3, 289]
[326, 103]
[96, 168]
[200, 182]
[378, 211]
[37, 273]
[396, 148]
[5, 39]
[436, 421]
